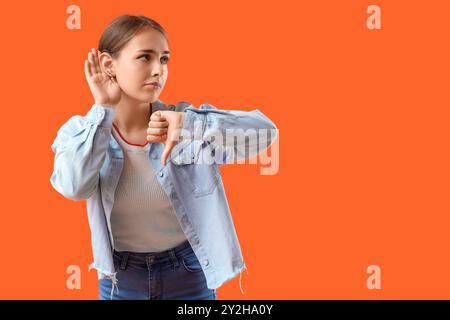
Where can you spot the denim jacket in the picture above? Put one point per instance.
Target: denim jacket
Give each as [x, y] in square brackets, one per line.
[88, 163]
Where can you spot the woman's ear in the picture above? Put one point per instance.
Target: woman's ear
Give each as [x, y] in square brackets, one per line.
[107, 64]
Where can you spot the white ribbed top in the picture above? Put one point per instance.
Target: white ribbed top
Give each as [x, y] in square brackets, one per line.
[142, 218]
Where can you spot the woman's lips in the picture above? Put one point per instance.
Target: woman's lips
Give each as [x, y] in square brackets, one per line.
[153, 86]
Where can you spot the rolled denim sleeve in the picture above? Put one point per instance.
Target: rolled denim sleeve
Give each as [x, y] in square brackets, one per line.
[80, 149]
[223, 136]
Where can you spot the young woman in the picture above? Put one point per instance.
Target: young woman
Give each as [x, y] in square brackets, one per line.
[160, 223]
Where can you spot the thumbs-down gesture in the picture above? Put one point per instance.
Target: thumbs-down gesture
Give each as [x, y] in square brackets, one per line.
[165, 126]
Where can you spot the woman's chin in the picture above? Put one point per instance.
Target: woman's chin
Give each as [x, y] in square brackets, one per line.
[150, 95]
[149, 98]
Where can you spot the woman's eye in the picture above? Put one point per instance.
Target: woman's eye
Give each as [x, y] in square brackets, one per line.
[166, 59]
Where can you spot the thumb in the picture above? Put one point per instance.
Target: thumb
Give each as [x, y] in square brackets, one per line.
[165, 154]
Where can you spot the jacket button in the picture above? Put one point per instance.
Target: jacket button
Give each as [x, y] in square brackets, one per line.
[160, 174]
[205, 262]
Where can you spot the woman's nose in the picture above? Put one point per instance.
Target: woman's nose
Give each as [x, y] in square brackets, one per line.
[157, 69]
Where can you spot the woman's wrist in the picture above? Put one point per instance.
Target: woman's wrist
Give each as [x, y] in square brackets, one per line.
[104, 103]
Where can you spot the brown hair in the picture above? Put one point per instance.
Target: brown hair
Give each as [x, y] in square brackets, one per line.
[122, 29]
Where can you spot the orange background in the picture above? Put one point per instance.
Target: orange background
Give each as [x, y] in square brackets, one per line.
[363, 119]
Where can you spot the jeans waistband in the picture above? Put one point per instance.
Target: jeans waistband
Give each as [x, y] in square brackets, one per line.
[181, 250]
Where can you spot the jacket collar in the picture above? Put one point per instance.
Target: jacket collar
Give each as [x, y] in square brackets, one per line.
[160, 105]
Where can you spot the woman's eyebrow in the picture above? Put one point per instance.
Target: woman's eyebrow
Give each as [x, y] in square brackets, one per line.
[153, 51]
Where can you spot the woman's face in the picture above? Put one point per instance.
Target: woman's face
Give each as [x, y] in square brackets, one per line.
[142, 61]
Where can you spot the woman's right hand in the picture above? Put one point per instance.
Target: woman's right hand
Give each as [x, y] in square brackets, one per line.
[104, 88]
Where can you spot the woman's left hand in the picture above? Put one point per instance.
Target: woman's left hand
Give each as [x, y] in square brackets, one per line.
[165, 126]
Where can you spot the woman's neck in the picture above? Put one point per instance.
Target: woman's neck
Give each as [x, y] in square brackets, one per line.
[131, 117]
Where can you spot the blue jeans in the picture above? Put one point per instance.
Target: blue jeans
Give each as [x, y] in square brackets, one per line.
[174, 274]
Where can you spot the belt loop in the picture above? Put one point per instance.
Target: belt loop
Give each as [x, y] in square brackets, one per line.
[174, 259]
[123, 263]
